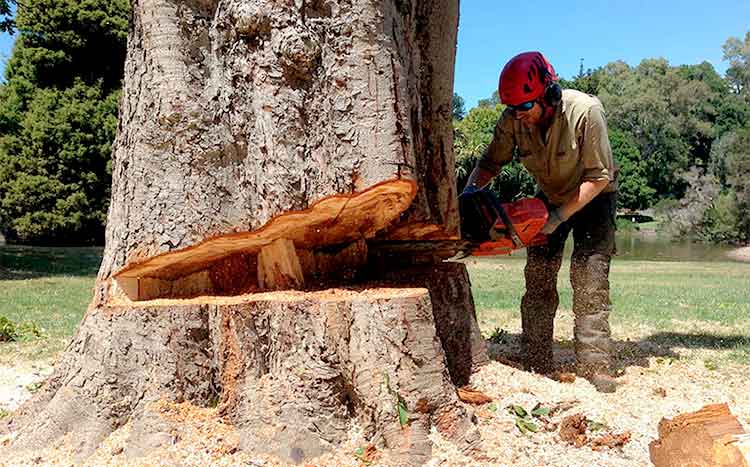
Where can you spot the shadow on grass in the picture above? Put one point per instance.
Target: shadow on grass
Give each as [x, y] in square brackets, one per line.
[506, 348]
[24, 262]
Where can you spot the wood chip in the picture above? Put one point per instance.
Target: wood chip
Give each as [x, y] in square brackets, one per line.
[573, 430]
[472, 396]
[610, 441]
[565, 377]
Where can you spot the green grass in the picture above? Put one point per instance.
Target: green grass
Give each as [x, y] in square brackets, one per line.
[700, 307]
[697, 306]
[49, 287]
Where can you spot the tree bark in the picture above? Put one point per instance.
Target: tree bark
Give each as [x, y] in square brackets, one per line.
[262, 145]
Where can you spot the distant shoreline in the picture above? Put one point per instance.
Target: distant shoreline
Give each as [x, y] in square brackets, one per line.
[740, 254]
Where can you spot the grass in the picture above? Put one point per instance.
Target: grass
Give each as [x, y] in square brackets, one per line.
[702, 308]
[46, 287]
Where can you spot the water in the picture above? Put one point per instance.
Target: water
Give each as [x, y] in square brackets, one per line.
[639, 246]
[651, 246]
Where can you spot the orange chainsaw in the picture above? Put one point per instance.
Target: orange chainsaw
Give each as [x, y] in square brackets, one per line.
[488, 227]
[492, 228]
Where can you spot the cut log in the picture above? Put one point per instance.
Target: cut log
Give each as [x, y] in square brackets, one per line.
[711, 436]
[279, 267]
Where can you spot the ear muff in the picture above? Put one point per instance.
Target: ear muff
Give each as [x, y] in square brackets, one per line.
[552, 93]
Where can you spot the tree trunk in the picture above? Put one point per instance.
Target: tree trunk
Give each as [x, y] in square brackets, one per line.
[262, 145]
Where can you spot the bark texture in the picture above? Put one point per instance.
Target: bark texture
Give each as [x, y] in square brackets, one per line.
[264, 144]
[235, 112]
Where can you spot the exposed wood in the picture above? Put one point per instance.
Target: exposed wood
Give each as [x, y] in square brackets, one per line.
[711, 436]
[334, 220]
[279, 267]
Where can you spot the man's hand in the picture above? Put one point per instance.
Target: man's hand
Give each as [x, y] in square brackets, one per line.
[553, 221]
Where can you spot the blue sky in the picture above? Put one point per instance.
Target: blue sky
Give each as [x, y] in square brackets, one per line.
[599, 31]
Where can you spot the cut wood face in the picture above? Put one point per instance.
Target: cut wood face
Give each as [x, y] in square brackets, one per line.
[231, 264]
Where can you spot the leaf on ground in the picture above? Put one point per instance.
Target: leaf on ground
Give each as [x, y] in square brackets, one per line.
[472, 396]
[596, 426]
[540, 411]
[518, 411]
[525, 426]
[403, 414]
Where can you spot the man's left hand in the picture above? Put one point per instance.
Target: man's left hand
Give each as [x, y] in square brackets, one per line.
[553, 221]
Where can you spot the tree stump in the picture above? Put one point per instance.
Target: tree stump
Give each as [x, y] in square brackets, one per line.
[263, 145]
[711, 436]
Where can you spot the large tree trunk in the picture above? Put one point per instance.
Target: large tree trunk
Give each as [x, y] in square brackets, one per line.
[262, 145]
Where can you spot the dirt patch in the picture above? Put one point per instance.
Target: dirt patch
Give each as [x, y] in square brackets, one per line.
[740, 254]
[18, 383]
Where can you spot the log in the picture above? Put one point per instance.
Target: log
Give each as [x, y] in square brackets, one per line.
[712, 436]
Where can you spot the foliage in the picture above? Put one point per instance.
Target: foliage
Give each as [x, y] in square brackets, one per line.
[737, 52]
[459, 107]
[6, 16]
[633, 189]
[58, 117]
[10, 331]
[472, 136]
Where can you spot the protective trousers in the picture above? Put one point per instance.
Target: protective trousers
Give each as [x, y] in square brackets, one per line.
[593, 230]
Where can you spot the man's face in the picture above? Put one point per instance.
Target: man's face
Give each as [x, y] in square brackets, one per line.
[531, 117]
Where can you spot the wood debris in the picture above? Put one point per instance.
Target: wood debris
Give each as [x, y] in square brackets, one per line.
[472, 396]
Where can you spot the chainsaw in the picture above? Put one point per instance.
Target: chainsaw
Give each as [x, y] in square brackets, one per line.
[488, 227]
[492, 228]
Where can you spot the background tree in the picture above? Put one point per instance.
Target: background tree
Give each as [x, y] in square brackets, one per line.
[6, 16]
[58, 113]
[459, 107]
[472, 136]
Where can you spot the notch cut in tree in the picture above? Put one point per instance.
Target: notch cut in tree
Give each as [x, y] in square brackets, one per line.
[280, 137]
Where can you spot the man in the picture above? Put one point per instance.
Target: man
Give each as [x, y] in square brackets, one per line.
[560, 136]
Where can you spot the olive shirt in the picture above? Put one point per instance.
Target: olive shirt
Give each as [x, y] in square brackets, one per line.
[576, 148]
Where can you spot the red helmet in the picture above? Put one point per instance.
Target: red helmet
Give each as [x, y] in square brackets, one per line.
[525, 78]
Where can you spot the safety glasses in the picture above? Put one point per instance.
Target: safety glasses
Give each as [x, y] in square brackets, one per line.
[524, 107]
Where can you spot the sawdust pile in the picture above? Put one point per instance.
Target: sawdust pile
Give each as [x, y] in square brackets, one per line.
[611, 430]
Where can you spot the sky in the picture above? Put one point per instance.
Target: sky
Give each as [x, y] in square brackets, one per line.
[597, 31]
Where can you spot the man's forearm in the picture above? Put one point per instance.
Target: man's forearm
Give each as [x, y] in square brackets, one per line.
[586, 192]
[479, 178]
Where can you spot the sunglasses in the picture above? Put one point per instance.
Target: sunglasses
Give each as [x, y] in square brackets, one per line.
[524, 107]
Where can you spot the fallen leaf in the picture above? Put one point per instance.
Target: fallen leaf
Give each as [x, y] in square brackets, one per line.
[472, 396]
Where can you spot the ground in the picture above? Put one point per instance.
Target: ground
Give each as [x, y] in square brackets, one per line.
[681, 338]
